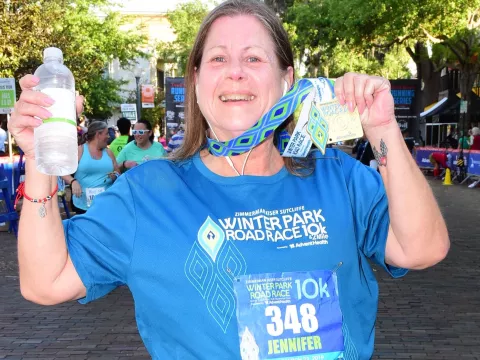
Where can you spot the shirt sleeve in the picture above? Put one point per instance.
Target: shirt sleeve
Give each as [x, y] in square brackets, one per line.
[370, 210]
[101, 242]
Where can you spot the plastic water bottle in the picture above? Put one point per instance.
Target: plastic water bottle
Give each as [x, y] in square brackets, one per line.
[56, 149]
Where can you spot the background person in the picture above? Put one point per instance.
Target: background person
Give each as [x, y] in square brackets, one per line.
[475, 140]
[439, 160]
[96, 168]
[142, 149]
[176, 140]
[124, 127]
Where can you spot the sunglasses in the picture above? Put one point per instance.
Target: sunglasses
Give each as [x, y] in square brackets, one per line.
[140, 132]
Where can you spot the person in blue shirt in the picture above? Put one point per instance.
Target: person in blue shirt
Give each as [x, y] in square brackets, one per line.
[245, 256]
[177, 140]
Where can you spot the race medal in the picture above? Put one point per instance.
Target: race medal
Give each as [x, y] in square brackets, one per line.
[291, 315]
[342, 124]
[91, 193]
[317, 128]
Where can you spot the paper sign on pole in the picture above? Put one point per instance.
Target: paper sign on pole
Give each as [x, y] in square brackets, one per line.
[7, 95]
[129, 111]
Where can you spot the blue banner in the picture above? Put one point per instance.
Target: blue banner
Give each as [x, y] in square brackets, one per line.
[294, 315]
[471, 158]
[473, 164]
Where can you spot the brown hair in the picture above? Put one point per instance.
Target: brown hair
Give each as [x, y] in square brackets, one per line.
[195, 124]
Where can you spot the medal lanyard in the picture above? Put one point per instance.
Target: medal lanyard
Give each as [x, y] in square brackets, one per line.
[275, 117]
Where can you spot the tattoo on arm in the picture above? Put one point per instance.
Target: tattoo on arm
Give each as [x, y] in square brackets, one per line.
[381, 156]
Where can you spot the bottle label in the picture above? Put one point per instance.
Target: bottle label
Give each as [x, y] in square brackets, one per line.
[64, 108]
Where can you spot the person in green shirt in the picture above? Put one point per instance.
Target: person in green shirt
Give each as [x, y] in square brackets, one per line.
[142, 149]
[124, 125]
[463, 142]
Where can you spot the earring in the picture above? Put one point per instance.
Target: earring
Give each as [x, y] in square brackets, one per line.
[196, 92]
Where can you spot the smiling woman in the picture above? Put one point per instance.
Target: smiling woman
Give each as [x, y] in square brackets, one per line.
[238, 256]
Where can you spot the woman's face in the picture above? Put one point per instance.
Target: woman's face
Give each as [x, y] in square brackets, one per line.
[239, 78]
[141, 139]
[102, 138]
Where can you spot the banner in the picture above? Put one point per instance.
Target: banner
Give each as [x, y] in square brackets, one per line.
[473, 165]
[148, 96]
[129, 111]
[404, 95]
[174, 105]
[7, 95]
[471, 158]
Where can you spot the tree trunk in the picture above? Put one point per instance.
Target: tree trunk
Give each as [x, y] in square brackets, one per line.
[429, 80]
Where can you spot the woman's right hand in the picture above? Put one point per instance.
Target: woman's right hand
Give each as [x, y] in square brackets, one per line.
[29, 113]
[76, 189]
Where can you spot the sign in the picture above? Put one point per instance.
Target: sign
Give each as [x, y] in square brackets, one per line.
[463, 106]
[404, 96]
[7, 95]
[129, 111]
[290, 315]
[174, 104]
[403, 125]
[148, 96]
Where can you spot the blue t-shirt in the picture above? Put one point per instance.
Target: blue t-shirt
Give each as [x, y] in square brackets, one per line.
[180, 245]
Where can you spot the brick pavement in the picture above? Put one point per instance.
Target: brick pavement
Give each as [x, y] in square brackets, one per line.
[432, 314]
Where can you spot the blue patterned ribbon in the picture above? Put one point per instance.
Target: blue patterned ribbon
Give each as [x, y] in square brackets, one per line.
[269, 122]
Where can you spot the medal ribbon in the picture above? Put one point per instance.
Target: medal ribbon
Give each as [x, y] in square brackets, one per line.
[269, 122]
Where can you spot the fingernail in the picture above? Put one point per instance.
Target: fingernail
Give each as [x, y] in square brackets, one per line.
[350, 106]
[47, 114]
[38, 122]
[35, 79]
[49, 101]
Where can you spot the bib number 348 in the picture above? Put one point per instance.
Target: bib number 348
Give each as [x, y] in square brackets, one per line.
[291, 320]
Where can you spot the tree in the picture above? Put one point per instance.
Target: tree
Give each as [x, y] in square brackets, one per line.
[88, 42]
[414, 24]
[185, 21]
[320, 47]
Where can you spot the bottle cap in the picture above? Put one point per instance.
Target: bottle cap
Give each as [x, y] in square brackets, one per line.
[52, 52]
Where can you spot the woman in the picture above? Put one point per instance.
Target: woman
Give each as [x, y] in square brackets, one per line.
[225, 266]
[475, 142]
[97, 168]
[142, 149]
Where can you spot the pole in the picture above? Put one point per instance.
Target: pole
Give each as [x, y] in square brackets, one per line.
[10, 152]
[139, 104]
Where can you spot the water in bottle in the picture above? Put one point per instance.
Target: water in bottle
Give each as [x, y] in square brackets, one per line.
[56, 149]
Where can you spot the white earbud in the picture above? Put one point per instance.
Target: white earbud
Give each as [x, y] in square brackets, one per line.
[285, 87]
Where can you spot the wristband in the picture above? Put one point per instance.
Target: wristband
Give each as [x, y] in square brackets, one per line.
[71, 182]
[42, 211]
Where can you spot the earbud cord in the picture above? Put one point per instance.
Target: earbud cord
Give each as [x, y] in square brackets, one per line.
[229, 160]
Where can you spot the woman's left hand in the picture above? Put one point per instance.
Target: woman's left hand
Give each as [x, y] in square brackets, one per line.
[371, 95]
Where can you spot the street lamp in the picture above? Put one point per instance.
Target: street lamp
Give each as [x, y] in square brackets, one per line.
[138, 72]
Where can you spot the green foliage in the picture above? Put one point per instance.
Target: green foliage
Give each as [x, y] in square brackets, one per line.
[89, 44]
[185, 21]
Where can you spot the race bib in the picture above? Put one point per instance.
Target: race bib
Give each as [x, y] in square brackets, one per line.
[91, 193]
[291, 315]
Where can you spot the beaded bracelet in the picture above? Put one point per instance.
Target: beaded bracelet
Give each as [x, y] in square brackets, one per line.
[42, 211]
